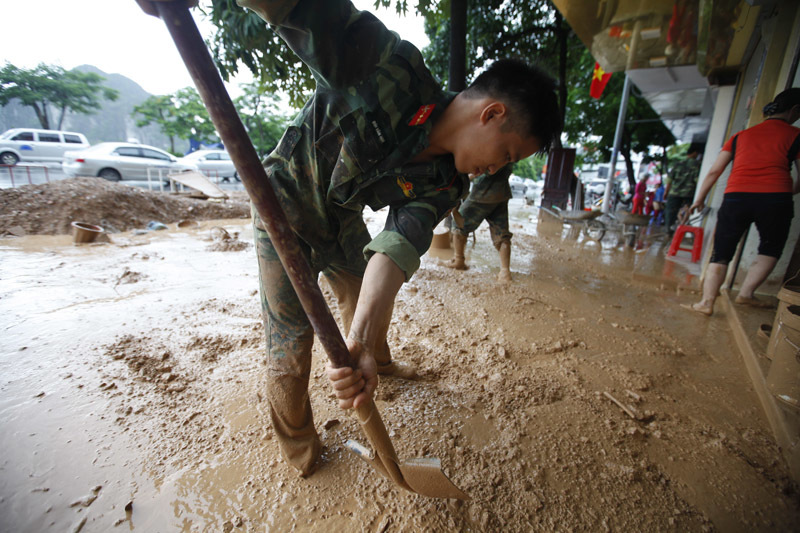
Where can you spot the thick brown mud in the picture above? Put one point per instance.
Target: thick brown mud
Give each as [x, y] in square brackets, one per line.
[132, 395]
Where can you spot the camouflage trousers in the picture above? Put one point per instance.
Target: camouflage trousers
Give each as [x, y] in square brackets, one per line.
[289, 341]
[473, 213]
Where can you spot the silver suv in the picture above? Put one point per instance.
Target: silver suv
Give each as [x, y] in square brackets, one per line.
[116, 161]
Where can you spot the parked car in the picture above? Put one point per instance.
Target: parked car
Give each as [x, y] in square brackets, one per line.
[596, 187]
[517, 185]
[533, 191]
[116, 161]
[26, 144]
[212, 163]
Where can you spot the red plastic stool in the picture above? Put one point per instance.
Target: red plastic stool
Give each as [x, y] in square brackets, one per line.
[697, 245]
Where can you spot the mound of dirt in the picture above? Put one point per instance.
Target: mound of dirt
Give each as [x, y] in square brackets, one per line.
[50, 208]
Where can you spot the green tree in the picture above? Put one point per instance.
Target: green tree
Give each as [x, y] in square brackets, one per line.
[259, 112]
[48, 86]
[242, 38]
[531, 167]
[179, 115]
[157, 110]
[495, 29]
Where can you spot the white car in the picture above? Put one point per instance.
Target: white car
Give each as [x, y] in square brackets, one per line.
[517, 185]
[117, 161]
[212, 163]
[27, 144]
[596, 187]
[533, 191]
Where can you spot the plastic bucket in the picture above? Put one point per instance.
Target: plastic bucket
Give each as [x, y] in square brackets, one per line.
[783, 379]
[83, 233]
[441, 237]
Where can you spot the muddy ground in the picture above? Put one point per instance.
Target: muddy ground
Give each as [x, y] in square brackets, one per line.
[132, 394]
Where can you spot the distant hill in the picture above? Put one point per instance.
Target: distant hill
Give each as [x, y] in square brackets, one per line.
[113, 122]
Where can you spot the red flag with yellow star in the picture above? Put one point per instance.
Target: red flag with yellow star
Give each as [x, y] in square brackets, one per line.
[599, 81]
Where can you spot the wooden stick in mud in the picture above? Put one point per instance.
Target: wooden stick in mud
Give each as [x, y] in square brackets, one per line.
[630, 411]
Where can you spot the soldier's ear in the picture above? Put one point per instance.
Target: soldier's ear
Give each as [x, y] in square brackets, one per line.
[493, 111]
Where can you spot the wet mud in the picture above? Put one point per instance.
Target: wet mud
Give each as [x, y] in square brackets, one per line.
[579, 397]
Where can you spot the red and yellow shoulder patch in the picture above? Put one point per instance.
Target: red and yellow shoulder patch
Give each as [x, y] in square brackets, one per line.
[422, 115]
[406, 186]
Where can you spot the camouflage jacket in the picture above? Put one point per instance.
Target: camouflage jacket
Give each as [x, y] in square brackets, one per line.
[683, 177]
[371, 114]
[492, 189]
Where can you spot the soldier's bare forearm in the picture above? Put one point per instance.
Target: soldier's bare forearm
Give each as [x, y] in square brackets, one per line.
[382, 279]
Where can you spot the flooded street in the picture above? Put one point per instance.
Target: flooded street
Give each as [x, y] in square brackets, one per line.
[132, 394]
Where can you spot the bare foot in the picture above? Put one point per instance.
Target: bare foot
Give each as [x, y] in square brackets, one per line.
[504, 276]
[702, 309]
[752, 302]
[456, 263]
[398, 370]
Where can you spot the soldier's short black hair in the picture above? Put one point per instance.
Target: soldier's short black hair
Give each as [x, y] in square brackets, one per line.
[530, 94]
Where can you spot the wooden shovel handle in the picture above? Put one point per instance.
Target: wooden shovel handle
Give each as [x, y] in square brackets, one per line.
[372, 424]
[194, 53]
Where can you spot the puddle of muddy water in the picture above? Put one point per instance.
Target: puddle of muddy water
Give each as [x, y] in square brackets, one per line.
[58, 300]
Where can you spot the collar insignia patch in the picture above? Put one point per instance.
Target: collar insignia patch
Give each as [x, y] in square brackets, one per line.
[422, 115]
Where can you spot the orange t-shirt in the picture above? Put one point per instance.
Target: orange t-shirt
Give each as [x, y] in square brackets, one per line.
[761, 162]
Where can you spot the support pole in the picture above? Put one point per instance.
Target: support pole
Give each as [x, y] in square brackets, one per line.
[623, 109]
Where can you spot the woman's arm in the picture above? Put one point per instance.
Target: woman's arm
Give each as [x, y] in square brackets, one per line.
[711, 178]
[796, 186]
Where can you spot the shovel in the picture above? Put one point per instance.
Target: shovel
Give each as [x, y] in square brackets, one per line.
[424, 475]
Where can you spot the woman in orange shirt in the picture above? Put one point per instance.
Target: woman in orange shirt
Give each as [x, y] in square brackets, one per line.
[759, 190]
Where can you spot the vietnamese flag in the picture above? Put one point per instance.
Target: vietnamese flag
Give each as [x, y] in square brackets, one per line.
[599, 81]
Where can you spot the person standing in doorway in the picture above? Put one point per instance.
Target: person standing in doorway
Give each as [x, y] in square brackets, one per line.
[681, 185]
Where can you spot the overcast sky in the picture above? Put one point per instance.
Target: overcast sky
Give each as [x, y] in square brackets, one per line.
[118, 38]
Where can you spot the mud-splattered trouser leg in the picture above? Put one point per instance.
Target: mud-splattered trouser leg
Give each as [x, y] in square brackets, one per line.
[473, 213]
[289, 341]
[498, 225]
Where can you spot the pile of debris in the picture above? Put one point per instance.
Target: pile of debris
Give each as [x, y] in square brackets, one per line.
[50, 208]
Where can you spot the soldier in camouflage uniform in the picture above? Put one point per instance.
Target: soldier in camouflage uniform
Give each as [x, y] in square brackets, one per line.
[378, 131]
[488, 200]
[681, 184]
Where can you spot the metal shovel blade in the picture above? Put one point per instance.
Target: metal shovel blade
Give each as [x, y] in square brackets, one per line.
[422, 475]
